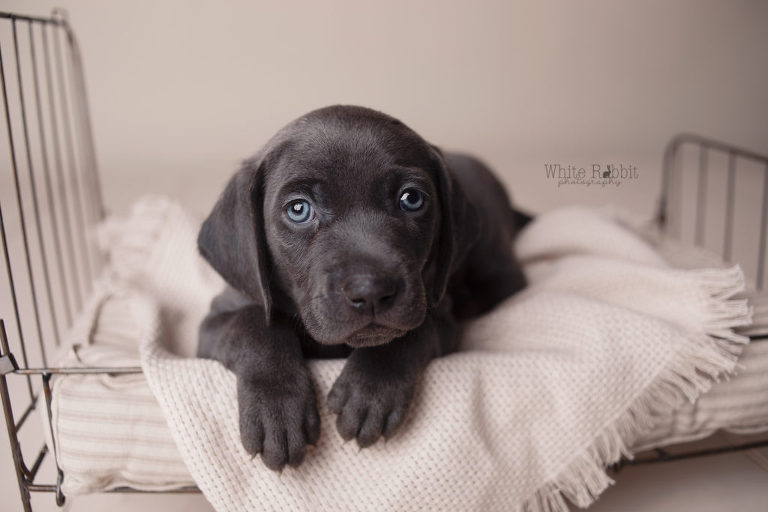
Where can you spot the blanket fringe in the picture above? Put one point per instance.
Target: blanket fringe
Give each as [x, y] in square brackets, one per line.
[702, 360]
[723, 314]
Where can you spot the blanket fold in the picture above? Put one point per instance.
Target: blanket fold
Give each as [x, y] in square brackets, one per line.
[549, 388]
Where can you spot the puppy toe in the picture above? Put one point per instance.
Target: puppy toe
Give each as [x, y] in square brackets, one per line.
[252, 435]
[337, 397]
[393, 421]
[349, 421]
[275, 452]
[297, 448]
[371, 429]
[312, 426]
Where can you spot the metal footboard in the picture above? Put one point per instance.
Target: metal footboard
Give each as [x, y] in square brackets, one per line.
[708, 218]
[50, 201]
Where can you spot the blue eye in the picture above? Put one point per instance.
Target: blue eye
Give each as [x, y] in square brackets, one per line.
[411, 200]
[299, 211]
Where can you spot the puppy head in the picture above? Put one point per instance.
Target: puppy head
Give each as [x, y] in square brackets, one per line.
[346, 218]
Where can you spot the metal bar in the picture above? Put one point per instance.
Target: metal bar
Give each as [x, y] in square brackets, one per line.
[2, 223]
[680, 195]
[79, 371]
[701, 196]
[717, 145]
[79, 99]
[668, 162]
[120, 490]
[20, 205]
[730, 188]
[59, 473]
[36, 209]
[69, 237]
[36, 465]
[78, 201]
[699, 453]
[18, 459]
[49, 185]
[27, 412]
[14, 299]
[763, 228]
[78, 75]
[38, 19]
[41, 488]
[129, 490]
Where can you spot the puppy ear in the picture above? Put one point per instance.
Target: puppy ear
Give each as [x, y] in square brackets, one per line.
[457, 231]
[232, 238]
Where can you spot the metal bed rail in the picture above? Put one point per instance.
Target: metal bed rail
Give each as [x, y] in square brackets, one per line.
[670, 221]
[50, 203]
[671, 204]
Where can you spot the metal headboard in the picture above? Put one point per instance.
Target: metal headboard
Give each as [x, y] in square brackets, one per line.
[670, 222]
[50, 200]
[735, 158]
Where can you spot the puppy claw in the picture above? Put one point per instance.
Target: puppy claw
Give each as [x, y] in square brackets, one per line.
[337, 398]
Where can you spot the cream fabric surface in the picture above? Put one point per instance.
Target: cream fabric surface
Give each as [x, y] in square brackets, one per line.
[111, 432]
[552, 385]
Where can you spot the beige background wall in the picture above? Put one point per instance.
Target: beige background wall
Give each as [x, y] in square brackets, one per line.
[188, 89]
[180, 92]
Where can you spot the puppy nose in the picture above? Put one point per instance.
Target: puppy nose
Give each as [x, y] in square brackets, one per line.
[369, 292]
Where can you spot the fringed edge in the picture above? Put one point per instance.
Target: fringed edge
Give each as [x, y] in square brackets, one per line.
[723, 314]
[701, 359]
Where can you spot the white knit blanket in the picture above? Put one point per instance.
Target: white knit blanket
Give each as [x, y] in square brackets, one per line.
[549, 388]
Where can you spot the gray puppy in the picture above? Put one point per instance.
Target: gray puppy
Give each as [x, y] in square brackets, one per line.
[348, 235]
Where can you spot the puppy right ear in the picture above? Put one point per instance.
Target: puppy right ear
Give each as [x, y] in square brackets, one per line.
[458, 228]
[232, 238]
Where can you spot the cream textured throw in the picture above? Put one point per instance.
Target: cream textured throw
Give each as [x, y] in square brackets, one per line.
[550, 387]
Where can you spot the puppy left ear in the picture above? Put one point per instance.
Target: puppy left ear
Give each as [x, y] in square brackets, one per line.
[457, 231]
[232, 238]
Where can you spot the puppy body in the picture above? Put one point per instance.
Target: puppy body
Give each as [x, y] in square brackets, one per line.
[348, 235]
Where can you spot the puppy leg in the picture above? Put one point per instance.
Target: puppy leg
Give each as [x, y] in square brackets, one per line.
[276, 398]
[375, 388]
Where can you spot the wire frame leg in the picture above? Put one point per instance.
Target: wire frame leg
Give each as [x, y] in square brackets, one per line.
[8, 364]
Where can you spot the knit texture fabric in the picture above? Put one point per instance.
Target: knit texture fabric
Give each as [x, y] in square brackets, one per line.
[549, 388]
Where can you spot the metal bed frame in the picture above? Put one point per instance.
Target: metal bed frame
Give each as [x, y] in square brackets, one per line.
[669, 222]
[52, 262]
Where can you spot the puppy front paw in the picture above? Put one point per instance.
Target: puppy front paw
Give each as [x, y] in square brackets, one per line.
[278, 420]
[369, 405]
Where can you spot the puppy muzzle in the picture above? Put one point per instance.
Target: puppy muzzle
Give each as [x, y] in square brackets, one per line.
[365, 308]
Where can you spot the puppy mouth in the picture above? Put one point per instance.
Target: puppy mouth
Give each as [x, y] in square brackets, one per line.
[373, 335]
[329, 321]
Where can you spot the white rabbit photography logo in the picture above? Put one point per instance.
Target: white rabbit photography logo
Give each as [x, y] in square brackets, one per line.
[598, 175]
